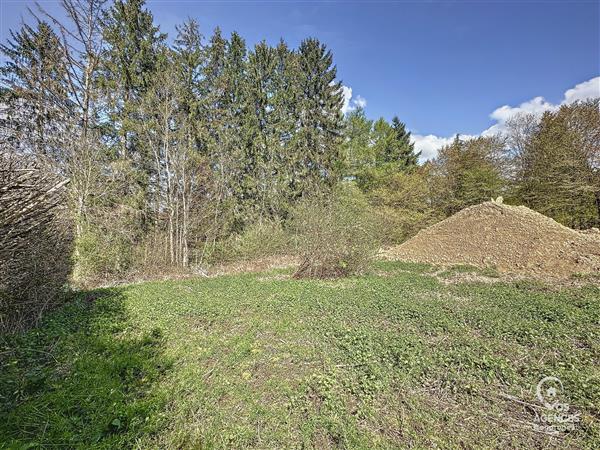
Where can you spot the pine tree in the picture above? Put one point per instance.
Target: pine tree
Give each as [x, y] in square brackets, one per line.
[189, 59]
[285, 118]
[34, 91]
[262, 104]
[235, 133]
[131, 61]
[212, 95]
[135, 53]
[215, 121]
[403, 150]
[392, 145]
[319, 119]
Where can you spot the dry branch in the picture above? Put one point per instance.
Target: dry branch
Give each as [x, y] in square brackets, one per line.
[35, 239]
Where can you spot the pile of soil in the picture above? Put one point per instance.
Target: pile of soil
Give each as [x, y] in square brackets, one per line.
[511, 239]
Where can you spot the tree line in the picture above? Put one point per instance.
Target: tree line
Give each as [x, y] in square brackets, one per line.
[549, 163]
[168, 148]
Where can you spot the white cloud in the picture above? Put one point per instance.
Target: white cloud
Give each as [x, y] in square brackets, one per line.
[350, 102]
[347, 93]
[583, 91]
[536, 106]
[360, 102]
[429, 145]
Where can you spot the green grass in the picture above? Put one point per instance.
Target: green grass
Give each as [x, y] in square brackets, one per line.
[392, 359]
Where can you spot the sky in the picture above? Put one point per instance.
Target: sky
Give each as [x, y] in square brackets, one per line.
[443, 67]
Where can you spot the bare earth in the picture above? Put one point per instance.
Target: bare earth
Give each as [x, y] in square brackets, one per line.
[511, 239]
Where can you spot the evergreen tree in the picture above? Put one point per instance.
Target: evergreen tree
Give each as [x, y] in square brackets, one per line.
[131, 61]
[261, 131]
[34, 91]
[189, 59]
[223, 108]
[213, 101]
[319, 119]
[286, 95]
[285, 118]
[403, 150]
[392, 145]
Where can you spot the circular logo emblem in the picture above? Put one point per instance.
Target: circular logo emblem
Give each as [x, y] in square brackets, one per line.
[548, 391]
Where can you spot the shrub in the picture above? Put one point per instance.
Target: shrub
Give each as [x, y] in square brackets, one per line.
[101, 255]
[35, 240]
[335, 235]
[401, 201]
[400, 224]
[258, 240]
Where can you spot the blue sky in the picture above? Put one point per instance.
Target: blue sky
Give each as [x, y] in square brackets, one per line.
[442, 66]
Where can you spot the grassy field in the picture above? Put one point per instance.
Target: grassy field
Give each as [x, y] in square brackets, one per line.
[396, 358]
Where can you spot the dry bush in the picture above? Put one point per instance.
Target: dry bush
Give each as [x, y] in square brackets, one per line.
[35, 240]
[335, 235]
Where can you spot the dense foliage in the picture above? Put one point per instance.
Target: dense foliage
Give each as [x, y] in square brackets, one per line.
[169, 149]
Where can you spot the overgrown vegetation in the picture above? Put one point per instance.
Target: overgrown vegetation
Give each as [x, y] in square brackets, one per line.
[261, 239]
[170, 149]
[395, 358]
[548, 163]
[335, 235]
[126, 154]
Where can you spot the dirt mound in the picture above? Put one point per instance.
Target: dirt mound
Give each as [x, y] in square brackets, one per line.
[512, 239]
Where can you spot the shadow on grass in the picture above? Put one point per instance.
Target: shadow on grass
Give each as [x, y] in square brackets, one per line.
[85, 378]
